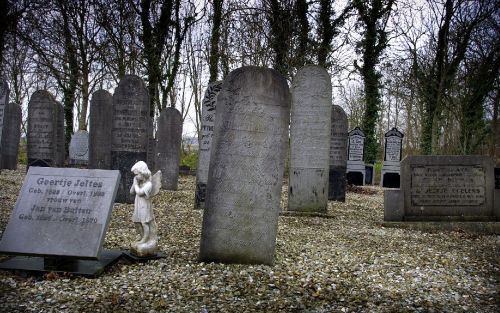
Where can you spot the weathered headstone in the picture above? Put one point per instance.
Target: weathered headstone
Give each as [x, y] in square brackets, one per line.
[208, 109]
[4, 100]
[310, 129]
[43, 130]
[130, 131]
[447, 188]
[338, 155]
[100, 130]
[245, 177]
[79, 148]
[61, 212]
[393, 151]
[12, 136]
[168, 150]
[355, 166]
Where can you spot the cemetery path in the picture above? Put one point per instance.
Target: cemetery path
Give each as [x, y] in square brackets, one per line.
[346, 263]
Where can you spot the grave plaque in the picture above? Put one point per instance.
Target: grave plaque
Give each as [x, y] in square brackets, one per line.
[205, 142]
[338, 155]
[4, 100]
[79, 148]
[100, 130]
[61, 212]
[12, 136]
[310, 129]
[245, 177]
[42, 128]
[392, 156]
[447, 186]
[355, 172]
[169, 147]
[130, 133]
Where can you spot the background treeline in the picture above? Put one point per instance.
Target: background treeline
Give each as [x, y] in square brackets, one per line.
[429, 67]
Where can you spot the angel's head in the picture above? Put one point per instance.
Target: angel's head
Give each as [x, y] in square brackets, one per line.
[141, 170]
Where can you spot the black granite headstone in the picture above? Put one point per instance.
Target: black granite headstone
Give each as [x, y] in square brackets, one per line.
[60, 138]
[130, 131]
[338, 155]
[100, 130]
[4, 100]
[168, 148]
[12, 135]
[497, 177]
[42, 128]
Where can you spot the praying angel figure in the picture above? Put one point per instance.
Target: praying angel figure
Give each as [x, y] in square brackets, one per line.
[144, 188]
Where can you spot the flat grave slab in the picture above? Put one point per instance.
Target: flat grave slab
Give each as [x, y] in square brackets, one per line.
[61, 212]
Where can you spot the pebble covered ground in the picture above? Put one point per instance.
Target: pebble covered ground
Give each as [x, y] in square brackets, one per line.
[346, 263]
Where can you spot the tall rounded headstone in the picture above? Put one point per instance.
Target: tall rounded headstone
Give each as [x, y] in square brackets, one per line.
[245, 177]
[310, 140]
[12, 135]
[79, 148]
[130, 131]
[393, 152]
[4, 101]
[208, 110]
[338, 155]
[100, 130]
[43, 131]
[168, 149]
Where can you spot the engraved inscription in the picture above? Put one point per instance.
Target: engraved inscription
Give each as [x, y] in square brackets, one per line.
[339, 134]
[356, 144]
[454, 185]
[393, 148]
[41, 127]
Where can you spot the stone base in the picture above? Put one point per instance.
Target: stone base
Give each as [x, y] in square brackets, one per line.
[141, 259]
[92, 268]
[305, 214]
[487, 228]
[393, 205]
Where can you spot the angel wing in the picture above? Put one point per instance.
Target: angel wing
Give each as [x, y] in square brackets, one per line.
[156, 181]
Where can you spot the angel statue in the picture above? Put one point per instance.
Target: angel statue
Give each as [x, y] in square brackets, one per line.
[144, 187]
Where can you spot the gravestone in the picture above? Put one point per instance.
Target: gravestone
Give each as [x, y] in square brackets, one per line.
[4, 100]
[100, 130]
[447, 188]
[245, 177]
[44, 132]
[393, 152]
[130, 133]
[12, 136]
[338, 155]
[168, 148]
[369, 174]
[355, 166]
[62, 215]
[60, 136]
[310, 129]
[79, 148]
[151, 158]
[208, 110]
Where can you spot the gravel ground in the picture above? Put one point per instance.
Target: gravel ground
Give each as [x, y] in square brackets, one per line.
[346, 263]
